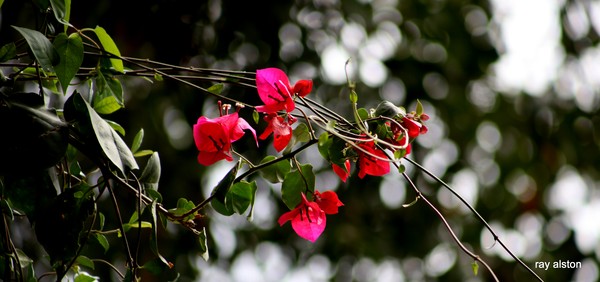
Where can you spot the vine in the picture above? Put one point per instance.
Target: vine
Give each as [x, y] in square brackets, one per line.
[374, 140]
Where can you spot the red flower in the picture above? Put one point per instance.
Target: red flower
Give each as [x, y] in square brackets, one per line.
[328, 201]
[367, 164]
[413, 127]
[282, 131]
[274, 90]
[213, 137]
[342, 172]
[308, 218]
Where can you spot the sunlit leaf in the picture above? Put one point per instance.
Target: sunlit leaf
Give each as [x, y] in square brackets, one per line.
[475, 267]
[110, 46]
[117, 127]
[202, 239]
[109, 94]
[102, 241]
[216, 88]
[85, 261]
[137, 141]
[41, 47]
[142, 153]
[83, 276]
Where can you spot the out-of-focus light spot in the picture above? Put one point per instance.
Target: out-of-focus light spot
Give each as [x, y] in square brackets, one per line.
[440, 158]
[273, 262]
[310, 19]
[521, 185]
[586, 226]
[466, 185]
[434, 52]
[353, 35]
[390, 271]
[513, 240]
[480, 95]
[319, 267]
[178, 130]
[383, 43]
[476, 21]
[245, 267]
[488, 136]
[392, 192]
[531, 225]
[227, 242]
[556, 232]
[413, 269]
[333, 63]
[364, 270]
[568, 192]
[372, 72]
[588, 271]
[393, 90]
[576, 22]
[529, 43]
[440, 260]
[435, 85]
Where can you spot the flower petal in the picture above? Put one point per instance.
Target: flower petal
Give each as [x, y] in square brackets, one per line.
[328, 201]
[303, 87]
[310, 222]
[274, 90]
[342, 172]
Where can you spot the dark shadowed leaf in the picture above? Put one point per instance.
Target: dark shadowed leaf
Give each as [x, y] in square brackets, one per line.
[41, 47]
[70, 51]
[297, 182]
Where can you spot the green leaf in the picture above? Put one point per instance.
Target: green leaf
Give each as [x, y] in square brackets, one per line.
[274, 173]
[7, 52]
[301, 133]
[70, 51]
[183, 206]
[154, 236]
[202, 239]
[241, 196]
[110, 47]
[109, 141]
[353, 96]
[83, 276]
[85, 261]
[216, 88]
[151, 174]
[158, 77]
[255, 116]
[297, 182]
[102, 241]
[101, 220]
[142, 153]
[475, 267]
[117, 127]
[41, 47]
[109, 94]
[220, 191]
[419, 108]
[62, 11]
[363, 113]
[137, 141]
[324, 144]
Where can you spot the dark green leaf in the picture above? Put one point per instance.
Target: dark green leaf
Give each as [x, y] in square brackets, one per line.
[241, 196]
[324, 144]
[276, 172]
[30, 192]
[110, 47]
[154, 236]
[102, 241]
[117, 127]
[363, 113]
[62, 11]
[107, 138]
[151, 174]
[220, 191]
[7, 52]
[40, 47]
[297, 182]
[301, 133]
[183, 206]
[70, 51]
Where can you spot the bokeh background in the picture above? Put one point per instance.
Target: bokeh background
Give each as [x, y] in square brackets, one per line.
[512, 88]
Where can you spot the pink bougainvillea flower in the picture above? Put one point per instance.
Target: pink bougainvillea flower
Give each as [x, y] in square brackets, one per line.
[213, 137]
[367, 164]
[342, 172]
[275, 91]
[308, 218]
[282, 131]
